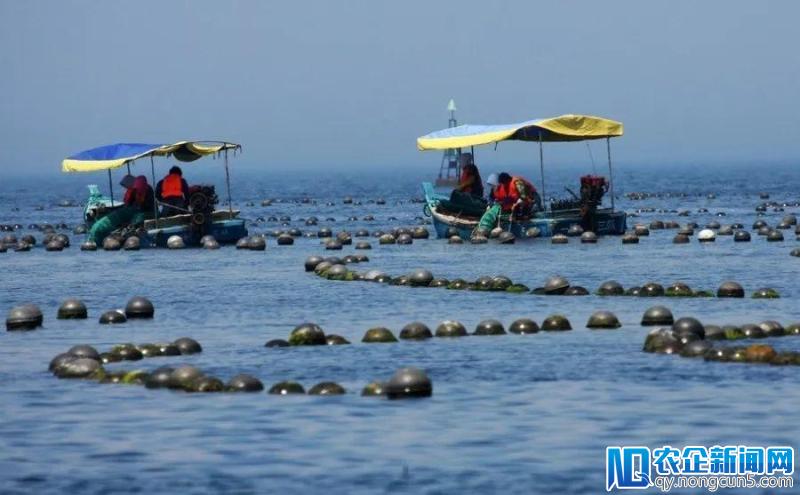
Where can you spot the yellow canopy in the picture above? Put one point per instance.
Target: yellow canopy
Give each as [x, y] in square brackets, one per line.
[564, 128]
[116, 155]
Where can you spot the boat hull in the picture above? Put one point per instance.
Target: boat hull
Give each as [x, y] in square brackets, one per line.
[609, 222]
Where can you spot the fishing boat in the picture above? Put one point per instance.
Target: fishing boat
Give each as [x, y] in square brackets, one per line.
[554, 218]
[199, 219]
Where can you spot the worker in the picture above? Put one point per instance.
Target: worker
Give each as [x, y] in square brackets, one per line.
[470, 182]
[510, 197]
[138, 205]
[173, 193]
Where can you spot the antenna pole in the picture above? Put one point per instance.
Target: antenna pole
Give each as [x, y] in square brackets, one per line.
[110, 187]
[610, 174]
[541, 170]
[228, 184]
[155, 200]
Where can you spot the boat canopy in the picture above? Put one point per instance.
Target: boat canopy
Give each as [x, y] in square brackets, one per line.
[116, 155]
[564, 128]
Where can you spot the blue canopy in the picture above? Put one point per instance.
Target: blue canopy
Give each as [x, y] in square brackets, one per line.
[116, 155]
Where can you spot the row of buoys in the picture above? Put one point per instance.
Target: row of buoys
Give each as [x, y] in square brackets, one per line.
[84, 362]
[128, 352]
[348, 200]
[29, 316]
[311, 334]
[332, 270]
[688, 337]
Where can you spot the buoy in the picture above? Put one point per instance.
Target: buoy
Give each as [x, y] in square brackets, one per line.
[333, 339]
[533, 232]
[80, 368]
[188, 346]
[84, 351]
[559, 239]
[478, 239]
[139, 307]
[326, 388]
[363, 245]
[415, 331]
[576, 290]
[404, 239]
[489, 327]
[109, 244]
[256, 243]
[775, 236]
[688, 325]
[387, 239]
[706, 235]
[451, 328]
[603, 320]
[630, 239]
[287, 388]
[420, 278]
[556, 285]
[175, 242]
[113, 317]
[589, 237]
[378, 335]
[307, 334]
[244, 383]
[132, 243]
[523, 326]
[651, 289]
[657, 315]
[276, 343]
[697, 348]
[285, 240]
[766, 293]
[25, 317]
[312, 262]
[159, 378]
[555, 323]
[127, 352]
[243, 243]
[730, 289]
[506, 238]
[183, 376]
[374, 389]
[741, 236]
[610, 288]
[663, 341]
[206, 384]
[409, 383]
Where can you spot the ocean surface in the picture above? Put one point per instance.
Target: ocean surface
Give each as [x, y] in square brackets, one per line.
[509, 414]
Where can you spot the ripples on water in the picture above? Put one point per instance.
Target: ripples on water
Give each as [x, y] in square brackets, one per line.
[511, 414]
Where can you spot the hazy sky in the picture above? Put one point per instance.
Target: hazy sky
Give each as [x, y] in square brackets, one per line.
[353, 83]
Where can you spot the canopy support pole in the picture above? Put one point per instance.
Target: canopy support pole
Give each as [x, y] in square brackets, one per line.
[541, 170]
[610, 174]
[228, 185]
[129, 168]
[110, 188]
[155, 200]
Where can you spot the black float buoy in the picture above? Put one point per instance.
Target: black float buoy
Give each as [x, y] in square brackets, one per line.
[523, 326]
[307, 334]
[730, 289]
[188, 346]
[610, 288]
[113, 317]
[139, 307]
[556, 323]
[415, 331]
[24, 317]
[603, 320]
[244, 383]
[276, 343]
[374, 389]
[378, 335]
[556, 285]
[489, 327]
[326, 388]
[287, 388]
[409, 383]
[420, 278]
[589, 237]
[451, 328]
[657, 315]
[132, 243]
[159, 378]
[690, 326]
[333, 339]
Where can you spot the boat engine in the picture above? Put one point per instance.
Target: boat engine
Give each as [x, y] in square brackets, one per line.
[202, 200]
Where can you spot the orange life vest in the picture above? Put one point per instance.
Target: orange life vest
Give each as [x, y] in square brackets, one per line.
[172, 186]
[507, 194]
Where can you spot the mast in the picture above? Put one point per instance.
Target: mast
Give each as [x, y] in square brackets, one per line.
[450, 168]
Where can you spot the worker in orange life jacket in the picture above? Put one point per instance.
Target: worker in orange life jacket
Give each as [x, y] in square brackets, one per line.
[173, 191]
[512, 197]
